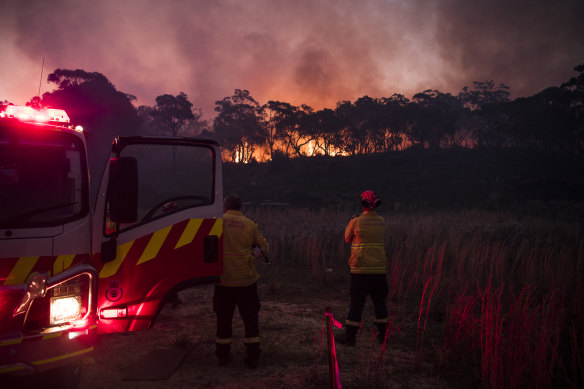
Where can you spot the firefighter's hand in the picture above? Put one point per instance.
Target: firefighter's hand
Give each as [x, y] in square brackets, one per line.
[257, 253]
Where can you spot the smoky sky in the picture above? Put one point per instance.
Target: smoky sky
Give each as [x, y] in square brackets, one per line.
[315, 52]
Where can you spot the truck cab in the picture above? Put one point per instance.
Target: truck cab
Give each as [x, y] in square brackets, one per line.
[69, 268]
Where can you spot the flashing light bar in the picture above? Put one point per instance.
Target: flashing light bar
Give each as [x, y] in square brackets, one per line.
[29, 114]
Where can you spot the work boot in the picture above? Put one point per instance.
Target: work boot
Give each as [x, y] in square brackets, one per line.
[223, 353]
[252, 357]
[251, 362]
[348, 337]
[224, 359]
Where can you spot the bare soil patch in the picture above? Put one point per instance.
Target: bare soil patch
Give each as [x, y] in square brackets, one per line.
[294, 348]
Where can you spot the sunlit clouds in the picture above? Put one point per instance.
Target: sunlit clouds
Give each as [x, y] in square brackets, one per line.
[301, 52]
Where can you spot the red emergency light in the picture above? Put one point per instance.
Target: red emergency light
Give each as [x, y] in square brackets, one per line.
[29, 114]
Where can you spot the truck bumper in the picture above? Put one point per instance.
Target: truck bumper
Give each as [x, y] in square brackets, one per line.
[35, 354]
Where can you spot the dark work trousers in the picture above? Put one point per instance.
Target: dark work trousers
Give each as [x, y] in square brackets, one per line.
[247, 301]
[363, 285]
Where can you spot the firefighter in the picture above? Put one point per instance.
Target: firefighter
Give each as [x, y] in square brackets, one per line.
[366, 233]
[238, 284]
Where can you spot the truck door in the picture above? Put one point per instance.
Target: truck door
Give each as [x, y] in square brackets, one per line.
[157, 228]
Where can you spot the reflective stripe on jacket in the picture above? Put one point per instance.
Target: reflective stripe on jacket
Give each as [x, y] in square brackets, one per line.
[366, 233]
[239, 235]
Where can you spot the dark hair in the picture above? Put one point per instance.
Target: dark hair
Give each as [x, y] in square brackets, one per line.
[232, 202]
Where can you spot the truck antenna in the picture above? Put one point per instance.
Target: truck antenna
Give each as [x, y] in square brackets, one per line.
[41, 80]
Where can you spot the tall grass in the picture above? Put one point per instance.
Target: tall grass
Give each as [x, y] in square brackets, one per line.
[506, 288]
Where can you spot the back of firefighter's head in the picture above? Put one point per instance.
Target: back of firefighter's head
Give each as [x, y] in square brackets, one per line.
[232, 202]
[369, 200]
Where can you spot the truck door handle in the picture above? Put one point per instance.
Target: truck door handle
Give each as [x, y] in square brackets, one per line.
[211, 250]
[109, 250]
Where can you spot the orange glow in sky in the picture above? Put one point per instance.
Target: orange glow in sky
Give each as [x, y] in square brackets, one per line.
[301, 52]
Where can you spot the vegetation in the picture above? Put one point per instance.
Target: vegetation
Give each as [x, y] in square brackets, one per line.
[495, 298]
[414, 179]
[479, 116]
[491, 298]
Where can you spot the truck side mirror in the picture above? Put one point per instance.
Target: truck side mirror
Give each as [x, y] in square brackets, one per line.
[109, 250]
[123, 190]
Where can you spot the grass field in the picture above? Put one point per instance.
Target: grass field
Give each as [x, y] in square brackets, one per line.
[489, 299]
[497, 297]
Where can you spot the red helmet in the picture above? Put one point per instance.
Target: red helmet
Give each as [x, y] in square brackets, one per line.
[370, 200]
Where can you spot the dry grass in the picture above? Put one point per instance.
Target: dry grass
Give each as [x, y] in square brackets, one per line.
[505, 289]
[477, 298]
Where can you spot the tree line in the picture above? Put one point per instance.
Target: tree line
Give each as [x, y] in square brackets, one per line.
[481, 115]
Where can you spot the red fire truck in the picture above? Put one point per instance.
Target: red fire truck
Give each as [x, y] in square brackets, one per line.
[71, 268]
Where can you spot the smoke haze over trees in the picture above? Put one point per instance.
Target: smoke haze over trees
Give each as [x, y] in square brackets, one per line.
[481, 115]
[300, 52]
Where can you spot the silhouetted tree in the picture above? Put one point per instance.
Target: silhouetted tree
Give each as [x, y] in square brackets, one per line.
[324, 127]
[353, 138]
[292, 125]
[175, 113]
[238, 125]
[274, 118]
[35, 102]
[576, 83]
[92, 101]
[576, 88]
[545, 121]
[486, 118]
[434, 116]
[372, 122]
[483, 93]
[397, 120]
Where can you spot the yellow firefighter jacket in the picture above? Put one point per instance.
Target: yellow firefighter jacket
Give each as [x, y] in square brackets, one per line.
[239, 236]
[366, 233]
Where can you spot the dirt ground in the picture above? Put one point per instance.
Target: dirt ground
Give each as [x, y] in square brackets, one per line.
[294, 345]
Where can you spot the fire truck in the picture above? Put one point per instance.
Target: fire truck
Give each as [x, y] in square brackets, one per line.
[72, 268]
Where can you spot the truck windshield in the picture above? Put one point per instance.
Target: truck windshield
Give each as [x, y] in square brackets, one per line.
[43, 177]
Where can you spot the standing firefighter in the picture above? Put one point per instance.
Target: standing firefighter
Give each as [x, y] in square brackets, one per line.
[238, 285]
[368, 260]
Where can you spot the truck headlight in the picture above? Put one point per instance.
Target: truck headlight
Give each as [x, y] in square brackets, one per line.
[64, 309]
[66, 301]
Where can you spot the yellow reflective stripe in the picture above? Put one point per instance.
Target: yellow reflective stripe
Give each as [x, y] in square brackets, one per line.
[10, 342]
[252, 340]
[111, 268]
[50, 336]
[368, 270]
[381, 321]
[217, 228]
[62, 262]
[21, 270]
[223, 341]
[357, 245]
[11, 368]
[352, 323]
[189, 233]
[64, 356]
[154, 245]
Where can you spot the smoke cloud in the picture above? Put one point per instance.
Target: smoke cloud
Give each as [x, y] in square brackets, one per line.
[298, 51]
